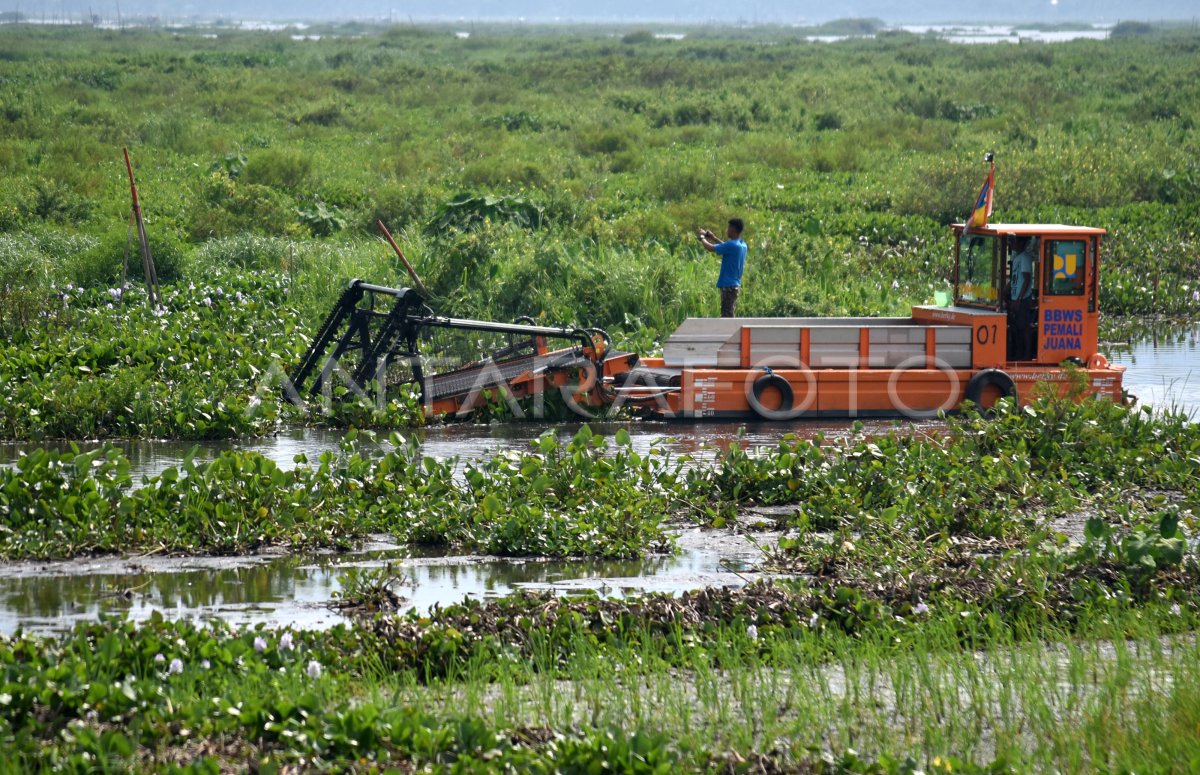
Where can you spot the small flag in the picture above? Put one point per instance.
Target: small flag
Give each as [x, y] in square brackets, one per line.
[983, 205]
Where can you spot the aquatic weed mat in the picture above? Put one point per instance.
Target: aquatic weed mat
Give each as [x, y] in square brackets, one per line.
[714, 679]
[587, 497]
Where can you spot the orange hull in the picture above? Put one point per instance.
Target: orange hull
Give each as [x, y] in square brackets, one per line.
[914, 393]
[790, 368]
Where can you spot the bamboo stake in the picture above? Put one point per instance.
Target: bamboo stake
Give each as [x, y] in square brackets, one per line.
[147, 259]
[412, 272]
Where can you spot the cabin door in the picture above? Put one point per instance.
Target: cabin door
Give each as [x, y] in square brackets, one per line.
[1063, 317]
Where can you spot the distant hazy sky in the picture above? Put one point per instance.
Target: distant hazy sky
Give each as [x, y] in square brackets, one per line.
[674, 11]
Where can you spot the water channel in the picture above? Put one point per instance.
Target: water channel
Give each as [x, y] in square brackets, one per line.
[289, 589]
[297, 590]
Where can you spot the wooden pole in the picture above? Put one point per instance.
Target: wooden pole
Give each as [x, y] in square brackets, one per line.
[420, 286]
[147, 259]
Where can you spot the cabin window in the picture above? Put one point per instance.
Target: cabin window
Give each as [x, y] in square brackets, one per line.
[1066, 269]
[977, 270]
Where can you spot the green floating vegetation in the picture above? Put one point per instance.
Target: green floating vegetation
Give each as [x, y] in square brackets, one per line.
[994, 478]
[558, 500]
[730, 681]
[987, 477]
[209, 363]
[934, 593]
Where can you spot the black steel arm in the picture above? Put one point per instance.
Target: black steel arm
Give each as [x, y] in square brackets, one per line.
[377, 335]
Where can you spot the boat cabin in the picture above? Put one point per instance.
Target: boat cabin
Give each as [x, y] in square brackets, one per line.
[1055, 319]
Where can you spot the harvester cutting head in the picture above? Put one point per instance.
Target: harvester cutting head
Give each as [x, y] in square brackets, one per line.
[453, 361]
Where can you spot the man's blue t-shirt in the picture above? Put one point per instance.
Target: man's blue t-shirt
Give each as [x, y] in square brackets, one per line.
[733, 261]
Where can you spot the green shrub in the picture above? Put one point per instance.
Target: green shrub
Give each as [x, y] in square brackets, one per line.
[466, 211]
[118, 252]
[26, 274]
[278, 168]
[398, 205]
[57, 202]
[245, 251]
[229, 207]
[1130, 29]
[321, 219]
[498, 173]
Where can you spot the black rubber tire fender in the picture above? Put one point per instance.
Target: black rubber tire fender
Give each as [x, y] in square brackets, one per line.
[787, 396]
[989, 378]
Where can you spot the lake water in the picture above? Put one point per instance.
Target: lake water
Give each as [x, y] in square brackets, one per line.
[1164, 367]
[1002, 33]
[296, 590]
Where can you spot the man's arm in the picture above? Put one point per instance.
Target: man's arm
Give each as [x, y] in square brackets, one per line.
[708, 240]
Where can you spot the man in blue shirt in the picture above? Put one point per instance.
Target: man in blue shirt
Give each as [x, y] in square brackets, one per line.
[733, 261]
[1020, 306]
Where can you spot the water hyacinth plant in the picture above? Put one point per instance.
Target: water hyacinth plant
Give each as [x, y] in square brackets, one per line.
[711, 680]
[73, 503]
[987, 478]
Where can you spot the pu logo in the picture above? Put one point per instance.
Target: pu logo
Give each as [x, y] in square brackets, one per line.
[1066, 266]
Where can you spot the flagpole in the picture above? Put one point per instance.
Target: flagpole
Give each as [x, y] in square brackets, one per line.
[990, 158]
[982, 211]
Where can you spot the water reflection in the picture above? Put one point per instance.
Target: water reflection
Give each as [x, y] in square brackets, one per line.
[190, 590]
[294, 590]
[469, 442]
[1162, 364]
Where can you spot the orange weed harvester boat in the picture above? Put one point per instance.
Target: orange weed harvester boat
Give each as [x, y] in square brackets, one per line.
[1025, 311]
[767, 368]
[979, 346]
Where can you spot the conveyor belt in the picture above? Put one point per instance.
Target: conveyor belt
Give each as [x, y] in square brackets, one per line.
[486, 375]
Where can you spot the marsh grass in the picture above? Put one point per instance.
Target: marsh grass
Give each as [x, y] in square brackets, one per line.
[1058, 704]
[1018, 700]
[627, 150]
